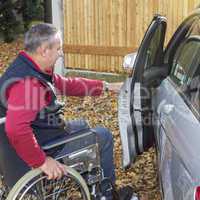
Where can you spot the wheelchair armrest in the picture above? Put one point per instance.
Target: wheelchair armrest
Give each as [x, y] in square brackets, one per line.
[70, 139]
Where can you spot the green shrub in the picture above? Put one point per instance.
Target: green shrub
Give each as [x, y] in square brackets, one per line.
[31, 10]
[8, 21]
[17, 15]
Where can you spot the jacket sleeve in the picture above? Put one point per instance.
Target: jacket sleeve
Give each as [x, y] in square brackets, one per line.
[77, 86]
[23, 106]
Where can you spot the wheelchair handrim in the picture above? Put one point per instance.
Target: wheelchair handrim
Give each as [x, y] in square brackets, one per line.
[33, 173]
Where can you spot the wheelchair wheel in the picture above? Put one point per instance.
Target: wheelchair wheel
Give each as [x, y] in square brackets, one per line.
[35, 186]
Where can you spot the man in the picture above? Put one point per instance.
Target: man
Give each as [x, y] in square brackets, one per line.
[32, 111]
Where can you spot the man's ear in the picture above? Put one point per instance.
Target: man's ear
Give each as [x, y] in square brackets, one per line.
[41, 50]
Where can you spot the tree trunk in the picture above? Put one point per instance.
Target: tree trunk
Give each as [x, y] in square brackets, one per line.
[48, 11]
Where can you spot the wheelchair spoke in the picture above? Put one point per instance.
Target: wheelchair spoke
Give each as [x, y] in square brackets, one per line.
[35, 186]
[42, 189]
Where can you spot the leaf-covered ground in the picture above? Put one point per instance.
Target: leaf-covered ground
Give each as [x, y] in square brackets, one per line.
[103, 111]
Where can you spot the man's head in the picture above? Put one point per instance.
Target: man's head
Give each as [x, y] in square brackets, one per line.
[43, 42]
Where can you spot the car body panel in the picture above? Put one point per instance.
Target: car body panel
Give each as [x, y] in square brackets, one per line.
[128, 147]
[178, 158]
[175, 121]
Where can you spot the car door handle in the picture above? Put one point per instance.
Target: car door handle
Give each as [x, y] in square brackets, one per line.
[167, 109]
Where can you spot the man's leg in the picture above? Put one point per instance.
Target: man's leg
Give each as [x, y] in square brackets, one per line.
[107, 163]
[106, 152]
[106, 158]
[105, 140]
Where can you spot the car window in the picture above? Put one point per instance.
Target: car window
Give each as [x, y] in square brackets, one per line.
[153, 48]
[185, 71]
[189, 28]
[184, 62]
[195, 27]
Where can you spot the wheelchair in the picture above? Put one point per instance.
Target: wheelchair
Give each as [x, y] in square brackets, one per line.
[84, 179]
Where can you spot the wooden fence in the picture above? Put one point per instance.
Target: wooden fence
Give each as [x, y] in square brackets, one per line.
[98, 33]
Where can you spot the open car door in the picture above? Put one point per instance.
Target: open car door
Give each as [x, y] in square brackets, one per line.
[134, 102]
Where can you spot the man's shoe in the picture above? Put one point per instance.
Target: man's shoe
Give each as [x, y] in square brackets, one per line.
[125, 193]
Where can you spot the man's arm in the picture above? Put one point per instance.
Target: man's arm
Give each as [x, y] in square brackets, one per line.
[114, 87]
[24, 102]
[83, 86]
[78, 86]
[20, 114]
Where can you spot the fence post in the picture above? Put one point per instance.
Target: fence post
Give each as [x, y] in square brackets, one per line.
[57, 20]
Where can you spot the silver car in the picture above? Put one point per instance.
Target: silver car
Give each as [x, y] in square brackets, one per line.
[159, 104]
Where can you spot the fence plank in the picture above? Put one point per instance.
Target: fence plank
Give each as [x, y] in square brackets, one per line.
[98, 50]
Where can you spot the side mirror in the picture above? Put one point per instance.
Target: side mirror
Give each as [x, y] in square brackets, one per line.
[129, 60]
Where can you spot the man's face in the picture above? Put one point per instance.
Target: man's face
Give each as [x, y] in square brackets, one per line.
[54, 52]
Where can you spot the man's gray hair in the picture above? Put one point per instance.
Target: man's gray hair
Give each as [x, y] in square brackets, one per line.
[37, 35]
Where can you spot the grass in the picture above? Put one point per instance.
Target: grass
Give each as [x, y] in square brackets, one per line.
[110, 77]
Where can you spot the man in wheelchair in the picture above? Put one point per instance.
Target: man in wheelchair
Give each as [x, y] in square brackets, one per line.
[33, 133]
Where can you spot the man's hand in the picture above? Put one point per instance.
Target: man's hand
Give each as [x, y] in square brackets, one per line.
[52, 168]
[114, 87]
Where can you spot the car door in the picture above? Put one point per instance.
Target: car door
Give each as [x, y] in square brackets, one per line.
[177, 113]
[134, 102]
